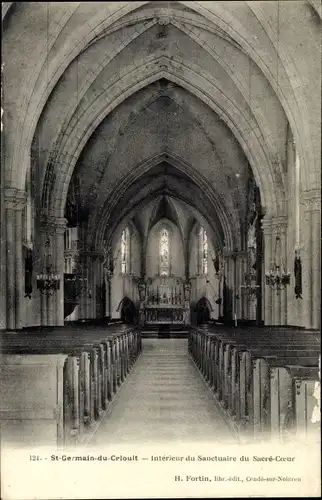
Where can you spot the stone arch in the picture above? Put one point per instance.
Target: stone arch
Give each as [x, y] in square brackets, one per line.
[127, 310]
[256, 155]
[184, 167]
[215, 14]
[259, 116]
[203, 309]
[233, 27]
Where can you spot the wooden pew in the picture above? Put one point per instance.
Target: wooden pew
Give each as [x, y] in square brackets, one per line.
[32, 400]
[231, 373]
[282, 390]
[99, 385]
[88, 373]
[250, 384]
[223, 365]
[78, 400]
[93, 379]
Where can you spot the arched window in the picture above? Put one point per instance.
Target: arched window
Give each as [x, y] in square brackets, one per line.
[164, 253]
[125, 251]
[203, 251]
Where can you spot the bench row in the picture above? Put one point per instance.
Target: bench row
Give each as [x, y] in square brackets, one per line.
[73, 379]
[266, 386]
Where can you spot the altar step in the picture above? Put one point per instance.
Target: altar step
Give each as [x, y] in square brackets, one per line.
[165, 331]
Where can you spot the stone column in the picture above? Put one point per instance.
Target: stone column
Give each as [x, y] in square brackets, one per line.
[87, 297]
[283, 249]
[14, 204]
[21, 199]
[93, 257]
[311, 231]
[83, 300]
[108, 297]
[239, 281]
[48, 302]
[3, 250]
[316, 263]
[279, 310]
[10, 200]
[268, 258]
[60, 227]
[230, 284]
[234, 286]
[243, 295]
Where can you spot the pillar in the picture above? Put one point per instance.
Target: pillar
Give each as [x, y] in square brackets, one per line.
[268, 258]
[238, 283]
[3, 250]
[240, 272]
[283, 249]
[14, 204]
[10, 236]
[59, 230]
[311, 244]
[94, 285]
[84, 298]
[279, 302]
[52, 242]
[47, 243]
[315, 210]
[107, 293]
[21, 199]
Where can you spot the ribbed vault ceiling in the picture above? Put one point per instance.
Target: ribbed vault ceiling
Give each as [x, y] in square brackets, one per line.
[137, 100]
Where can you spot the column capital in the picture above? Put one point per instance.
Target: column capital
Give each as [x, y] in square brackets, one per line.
[311, 200]
[279, 223]
[267, 224]
[60, 224]
[92, 254]
[15, 199]
[240, 254]
[53, 224]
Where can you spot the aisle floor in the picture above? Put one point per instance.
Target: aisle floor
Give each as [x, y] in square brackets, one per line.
[163, 399]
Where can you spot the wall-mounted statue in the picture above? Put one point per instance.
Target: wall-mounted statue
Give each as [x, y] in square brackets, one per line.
[216, 262]
[298, 275]
[28, 273]
[252, 244]
[142, 289]
[187, 291]
[108, 264]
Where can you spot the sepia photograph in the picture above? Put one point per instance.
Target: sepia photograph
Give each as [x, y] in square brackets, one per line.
[160, 249]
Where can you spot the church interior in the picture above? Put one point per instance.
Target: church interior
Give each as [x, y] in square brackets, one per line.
[160, 221]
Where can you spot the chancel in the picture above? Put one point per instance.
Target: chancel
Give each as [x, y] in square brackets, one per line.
[160, 222]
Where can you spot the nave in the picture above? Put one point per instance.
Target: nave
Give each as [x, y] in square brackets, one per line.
[160, 172]
[164, 399]
[86, 385]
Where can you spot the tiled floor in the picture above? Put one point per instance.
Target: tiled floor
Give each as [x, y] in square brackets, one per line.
[163, 399]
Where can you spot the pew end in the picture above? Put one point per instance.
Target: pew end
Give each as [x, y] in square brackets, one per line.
[31, 399]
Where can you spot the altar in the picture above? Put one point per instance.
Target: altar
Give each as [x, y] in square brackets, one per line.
[164, 300]
[164, 314]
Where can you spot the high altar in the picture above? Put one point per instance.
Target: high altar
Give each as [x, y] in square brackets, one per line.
[164, 300]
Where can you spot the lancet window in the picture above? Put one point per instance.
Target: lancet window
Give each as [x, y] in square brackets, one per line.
[164, 253]
[125, 251]
[204, 251]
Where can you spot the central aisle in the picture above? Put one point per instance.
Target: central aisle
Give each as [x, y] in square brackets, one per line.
[163, 399]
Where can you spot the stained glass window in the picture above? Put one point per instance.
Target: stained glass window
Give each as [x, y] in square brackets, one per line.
[125, 251]
[204, 250]
[164, 253]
